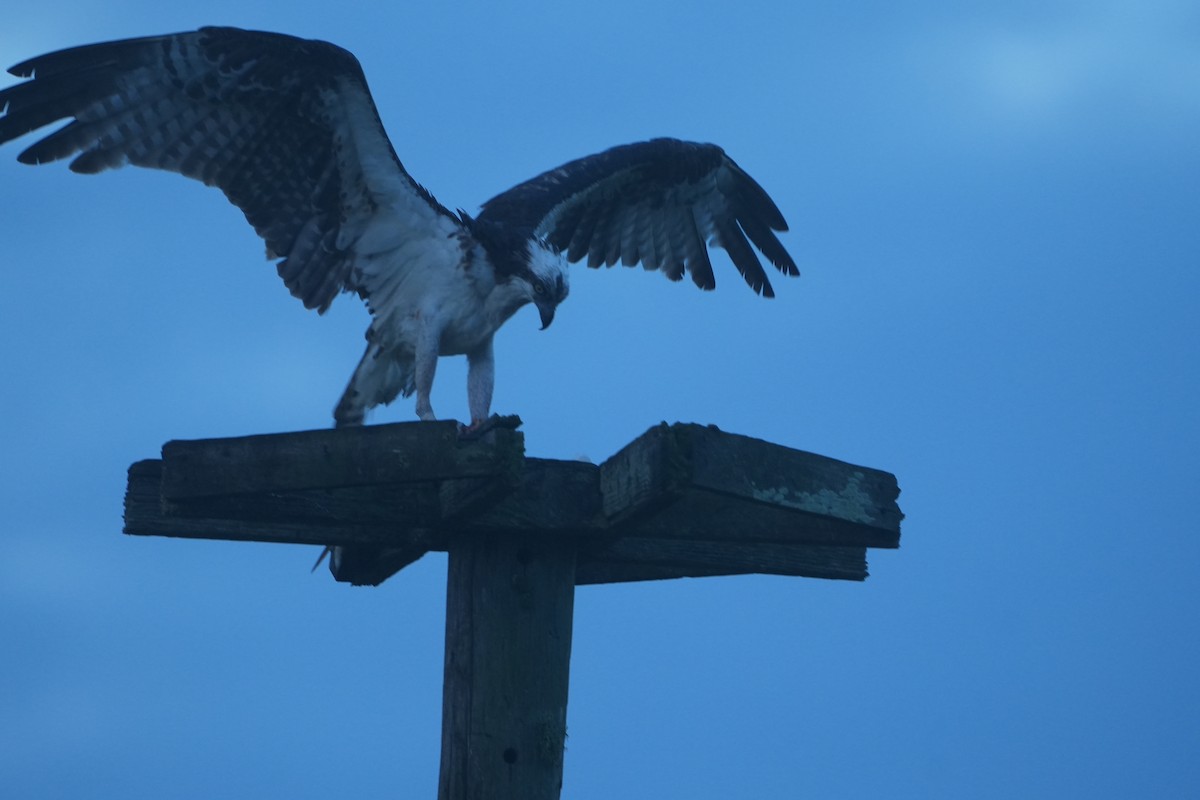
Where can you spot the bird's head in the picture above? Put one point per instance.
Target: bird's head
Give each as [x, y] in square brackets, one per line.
[528, 269]
[546, 275]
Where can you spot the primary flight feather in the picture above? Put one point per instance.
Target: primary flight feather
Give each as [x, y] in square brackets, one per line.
[287, 129]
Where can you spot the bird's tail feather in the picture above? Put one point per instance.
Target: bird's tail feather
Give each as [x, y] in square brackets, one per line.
[380, 377]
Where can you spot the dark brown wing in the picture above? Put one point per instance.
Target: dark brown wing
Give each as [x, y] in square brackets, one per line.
[659, 203]
[285, 127]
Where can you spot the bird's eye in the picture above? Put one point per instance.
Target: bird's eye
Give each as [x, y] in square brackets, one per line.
[539, 288]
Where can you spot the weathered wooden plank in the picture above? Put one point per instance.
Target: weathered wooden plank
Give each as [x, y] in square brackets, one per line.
[689, 481]
[509, 608]
[392, 504]
[460, 499]
[701, 515]
[145, 516]
[645, 475]
[752, 469]
[559, 497]
[326, 459]
[635, 558]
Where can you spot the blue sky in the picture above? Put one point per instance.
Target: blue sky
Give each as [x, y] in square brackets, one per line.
[994, 209]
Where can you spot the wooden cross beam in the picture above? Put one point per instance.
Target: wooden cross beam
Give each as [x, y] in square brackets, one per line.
[680, 501]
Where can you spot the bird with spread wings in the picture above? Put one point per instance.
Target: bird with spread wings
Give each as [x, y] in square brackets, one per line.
[287, 129]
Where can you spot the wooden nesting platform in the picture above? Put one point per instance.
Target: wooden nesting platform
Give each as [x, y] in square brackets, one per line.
[681, 500]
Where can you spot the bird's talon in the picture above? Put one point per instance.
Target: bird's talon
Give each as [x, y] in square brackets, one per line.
[477, 428]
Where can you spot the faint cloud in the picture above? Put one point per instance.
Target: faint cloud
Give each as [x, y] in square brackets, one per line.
[1092, 63]
[1032, 75]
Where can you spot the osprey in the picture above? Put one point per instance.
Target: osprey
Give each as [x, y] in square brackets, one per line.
[287, 129]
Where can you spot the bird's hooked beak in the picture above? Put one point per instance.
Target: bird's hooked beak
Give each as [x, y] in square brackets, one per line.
[546, 311]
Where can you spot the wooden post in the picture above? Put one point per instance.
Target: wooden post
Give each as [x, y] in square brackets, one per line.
[679, 501]
[509, 605]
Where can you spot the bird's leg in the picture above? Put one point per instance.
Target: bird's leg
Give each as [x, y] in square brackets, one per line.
[481, 378]
[425, 365]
